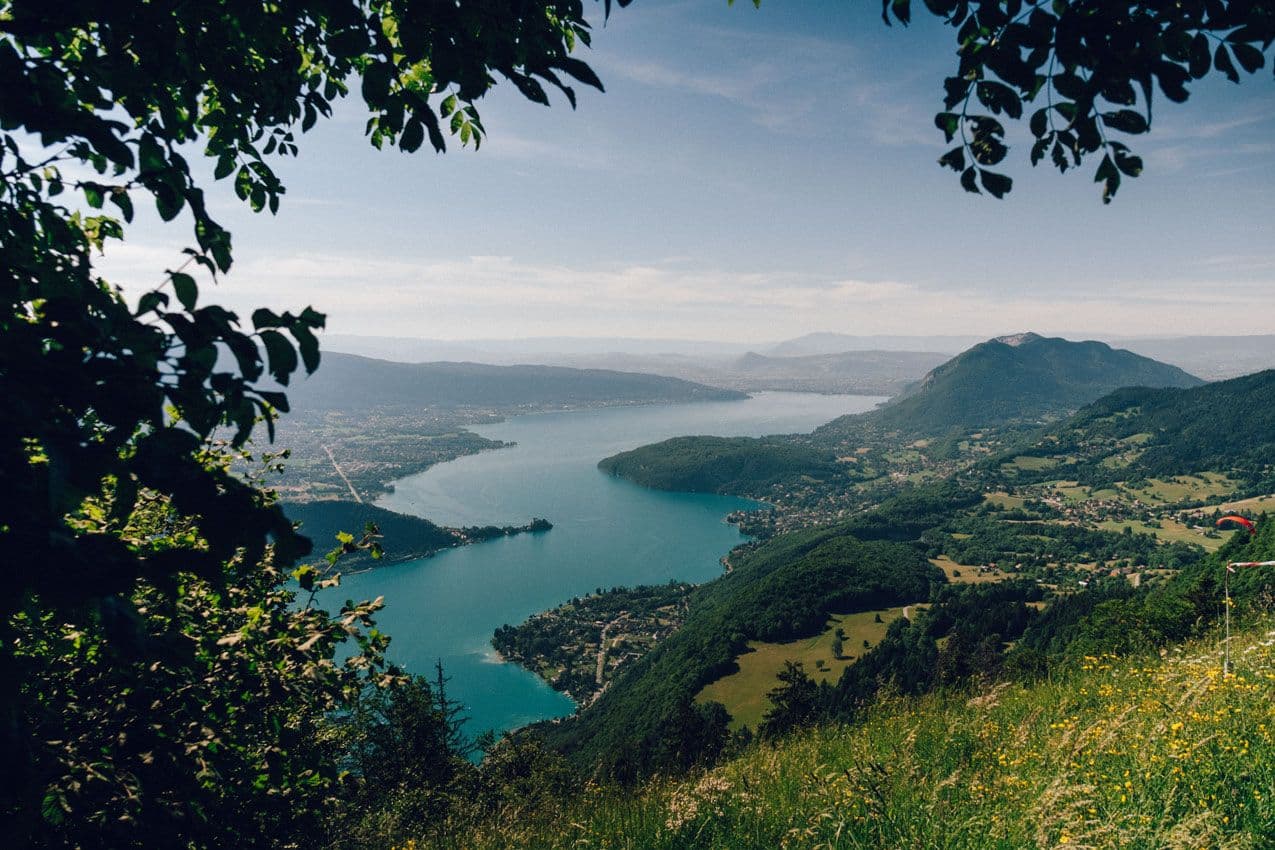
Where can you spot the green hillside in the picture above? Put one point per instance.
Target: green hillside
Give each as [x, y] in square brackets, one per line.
[720, 464]
[403, 537]
[1018, 378]
[1227, 426]
[350, 382]
[1118, 752]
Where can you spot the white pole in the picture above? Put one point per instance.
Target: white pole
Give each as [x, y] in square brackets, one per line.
[1226, 583]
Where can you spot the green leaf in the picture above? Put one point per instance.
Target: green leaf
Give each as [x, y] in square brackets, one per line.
[305, 576]
[1040, 122]
[1249, 57]
[1039, 148]
[956, 88]
[1110, 176]
[93, 195]
[349, 42]
[1129, 164]
[308, 345]
[949, 123]
[1222, 61]
[281, 354]
[264, 318]
[168, 201]
[954, 159]
[413, 136]
[999, 98]
[376, 84]
[1126, 121]
[120, 198]
[580, 71]
[968, 178]
[150, 302]
[1200, 61]
[185, 288]
[279, 401]
[150, 155]
[998, 185]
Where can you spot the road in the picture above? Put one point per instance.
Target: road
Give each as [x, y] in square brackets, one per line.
[341, 472]
[602, 646]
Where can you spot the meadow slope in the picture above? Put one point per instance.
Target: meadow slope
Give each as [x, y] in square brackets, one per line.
[1148, 753]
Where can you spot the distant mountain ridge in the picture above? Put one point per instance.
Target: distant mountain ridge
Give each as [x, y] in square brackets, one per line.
[1020, 377]
[1211, 357]
[835, 343]
[348, 381]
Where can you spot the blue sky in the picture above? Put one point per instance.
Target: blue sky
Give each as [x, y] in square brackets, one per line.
[752, 175]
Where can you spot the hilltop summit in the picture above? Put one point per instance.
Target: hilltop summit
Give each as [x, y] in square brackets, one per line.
[1020, 377]
[1015, 340]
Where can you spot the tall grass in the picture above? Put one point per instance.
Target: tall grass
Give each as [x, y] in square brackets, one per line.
[1124, 753]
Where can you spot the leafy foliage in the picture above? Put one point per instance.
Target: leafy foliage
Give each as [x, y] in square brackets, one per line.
[110, 404]
[189, 715]
[1090, 69]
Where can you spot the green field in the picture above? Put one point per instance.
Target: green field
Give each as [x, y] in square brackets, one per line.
[1033, 463]
[744, 692]
[1157, 491]
[1183, 488]
[1255, 505]
[962, 574]
[1005, 500]
[1171, 531]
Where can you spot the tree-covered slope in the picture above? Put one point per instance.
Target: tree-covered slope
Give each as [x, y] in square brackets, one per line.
[719, 464]
[348, 382]
[403, 537]
[1017, 378]
[1227, 426]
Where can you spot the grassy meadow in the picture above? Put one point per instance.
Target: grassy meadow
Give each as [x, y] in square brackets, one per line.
[744, 692]
[1170, 531]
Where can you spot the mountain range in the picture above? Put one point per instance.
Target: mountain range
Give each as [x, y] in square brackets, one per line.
[351, 382]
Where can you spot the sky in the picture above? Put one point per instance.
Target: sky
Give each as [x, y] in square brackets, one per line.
[753, 175]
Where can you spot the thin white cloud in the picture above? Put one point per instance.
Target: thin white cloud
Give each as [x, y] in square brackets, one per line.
[504, 296]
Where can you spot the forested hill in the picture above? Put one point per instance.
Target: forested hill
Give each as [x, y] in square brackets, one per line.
[1227, 426]
[405, 537]
[720, 464]
[349, 382]
[1018, 378]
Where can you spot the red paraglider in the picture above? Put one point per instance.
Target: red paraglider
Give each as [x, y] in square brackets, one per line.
[1237, 520]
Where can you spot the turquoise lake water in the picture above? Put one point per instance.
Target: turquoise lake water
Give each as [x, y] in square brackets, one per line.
[607, 532]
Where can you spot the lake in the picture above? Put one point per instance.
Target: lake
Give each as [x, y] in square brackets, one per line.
[607, 532]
